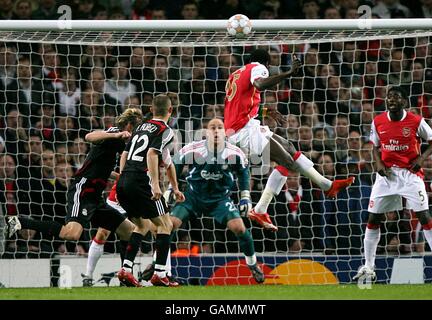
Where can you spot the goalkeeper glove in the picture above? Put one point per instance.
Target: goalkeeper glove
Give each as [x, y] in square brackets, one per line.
[245, 204]
[169, 196]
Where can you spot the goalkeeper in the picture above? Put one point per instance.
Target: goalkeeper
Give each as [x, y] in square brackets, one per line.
[212, 163]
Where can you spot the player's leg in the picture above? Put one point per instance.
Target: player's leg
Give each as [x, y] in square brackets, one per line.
[122, 243]
[179, 214]
[95, 252]
[47, 228]
[378, 206]
[140, 229]
[304, 166]
[284, 153]
[246, 247]
[163, 242]
[226, 213]
[426, 221]
[417, 200]
[414, 191]
[79, 211]
[372, 238]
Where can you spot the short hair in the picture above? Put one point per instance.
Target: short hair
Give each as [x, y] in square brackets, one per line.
[160, 105]
[260, 55]
[401, 90]
[130, 115]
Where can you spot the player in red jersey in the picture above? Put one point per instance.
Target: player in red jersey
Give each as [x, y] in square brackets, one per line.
[241, 108]
[396, 136]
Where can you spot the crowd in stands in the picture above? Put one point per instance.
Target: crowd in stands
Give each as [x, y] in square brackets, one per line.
[52, 95]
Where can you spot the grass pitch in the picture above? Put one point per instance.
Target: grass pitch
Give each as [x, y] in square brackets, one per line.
[280, 292]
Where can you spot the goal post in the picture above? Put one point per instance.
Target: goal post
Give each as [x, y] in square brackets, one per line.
[59, 79]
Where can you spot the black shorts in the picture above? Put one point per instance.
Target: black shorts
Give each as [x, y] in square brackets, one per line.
[134, 194]
[85, 206]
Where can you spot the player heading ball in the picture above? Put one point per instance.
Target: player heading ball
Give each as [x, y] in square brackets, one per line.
[242, 107]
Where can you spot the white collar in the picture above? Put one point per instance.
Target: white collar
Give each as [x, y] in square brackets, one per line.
[403, 117]
[157, 119]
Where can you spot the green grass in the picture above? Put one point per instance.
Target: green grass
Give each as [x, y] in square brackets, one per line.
[349, 292]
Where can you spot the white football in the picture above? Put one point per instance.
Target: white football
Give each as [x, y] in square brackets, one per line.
[239, 25]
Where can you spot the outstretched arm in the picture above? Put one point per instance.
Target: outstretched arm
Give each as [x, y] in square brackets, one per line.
[99, 136]
[265, 83]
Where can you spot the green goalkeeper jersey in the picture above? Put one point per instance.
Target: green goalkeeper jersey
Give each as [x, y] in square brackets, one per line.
[210, 177]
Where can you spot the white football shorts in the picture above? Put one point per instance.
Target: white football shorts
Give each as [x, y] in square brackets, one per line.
[252, 138]
[387, 193]
[116, 206]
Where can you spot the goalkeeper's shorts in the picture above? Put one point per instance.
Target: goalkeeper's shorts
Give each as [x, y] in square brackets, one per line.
[222, 211]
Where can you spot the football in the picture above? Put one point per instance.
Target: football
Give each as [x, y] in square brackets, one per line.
[239, 25]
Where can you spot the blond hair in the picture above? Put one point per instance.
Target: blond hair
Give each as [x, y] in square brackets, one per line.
[130, 115]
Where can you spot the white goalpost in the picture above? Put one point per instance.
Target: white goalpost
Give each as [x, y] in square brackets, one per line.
[63, 78]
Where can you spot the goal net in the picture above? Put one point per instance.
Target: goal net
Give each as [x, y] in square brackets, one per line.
[57, 85]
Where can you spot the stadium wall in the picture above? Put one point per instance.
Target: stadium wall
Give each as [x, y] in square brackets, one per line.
[64, 271]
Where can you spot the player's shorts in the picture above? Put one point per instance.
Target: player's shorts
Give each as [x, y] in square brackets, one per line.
[387, 193]
[116, 206]
[85, 206]
[252, 138]
[222, 211]
[134, 195]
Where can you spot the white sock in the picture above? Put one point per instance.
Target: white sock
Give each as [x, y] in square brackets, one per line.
[127, 265]
[160, 270]
[274, 185]
[168, 264]
[305, 167]
[95, 252]
[250, 261]
[428, 236]
[372, 238]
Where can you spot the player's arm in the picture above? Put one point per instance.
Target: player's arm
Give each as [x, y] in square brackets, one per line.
[379, 164]
[425, 132]
[153, 168]
[264, 83]
[380, 167]
[99, 136]
[123, 159]
[124, 156]
[418, 163]
[172, 178]
[114, 175]
[177, 165]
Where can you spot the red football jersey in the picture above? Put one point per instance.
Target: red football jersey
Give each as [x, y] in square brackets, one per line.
[399, 140]
[113, 193]
[242, 98]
